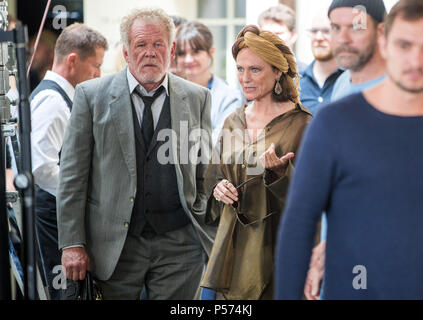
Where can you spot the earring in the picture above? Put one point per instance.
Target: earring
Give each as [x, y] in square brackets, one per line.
[278, 88]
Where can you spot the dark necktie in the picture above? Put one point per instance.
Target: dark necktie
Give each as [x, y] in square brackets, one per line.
[147, 125]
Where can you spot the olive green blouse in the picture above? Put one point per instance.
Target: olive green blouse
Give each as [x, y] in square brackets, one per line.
[241, 261]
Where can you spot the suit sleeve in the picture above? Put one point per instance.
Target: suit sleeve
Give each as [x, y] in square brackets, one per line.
[213, 176]
[75, 166]
[206, 143]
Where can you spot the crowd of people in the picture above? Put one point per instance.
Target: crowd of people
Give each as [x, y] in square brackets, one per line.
[164, 182]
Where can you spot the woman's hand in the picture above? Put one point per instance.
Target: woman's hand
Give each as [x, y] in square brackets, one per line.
[271, 161]
[225, 192]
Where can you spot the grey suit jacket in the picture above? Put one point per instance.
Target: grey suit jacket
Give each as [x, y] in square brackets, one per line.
[98, 171]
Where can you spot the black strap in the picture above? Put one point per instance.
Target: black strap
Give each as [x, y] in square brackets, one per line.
[147, 125]
[51, 85]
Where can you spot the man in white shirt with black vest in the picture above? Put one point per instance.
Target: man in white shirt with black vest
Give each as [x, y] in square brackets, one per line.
[78, 57]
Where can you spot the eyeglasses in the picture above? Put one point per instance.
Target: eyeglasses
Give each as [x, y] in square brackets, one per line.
[241, 217]
[313, 32]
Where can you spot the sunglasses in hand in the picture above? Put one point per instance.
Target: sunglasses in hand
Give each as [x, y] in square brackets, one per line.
[241, 217]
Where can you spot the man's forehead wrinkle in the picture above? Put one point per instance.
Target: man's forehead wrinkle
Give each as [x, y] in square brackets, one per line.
[142, 37]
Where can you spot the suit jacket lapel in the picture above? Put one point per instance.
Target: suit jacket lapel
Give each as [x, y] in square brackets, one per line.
[179, 112]
[121, 113]
[123, 119]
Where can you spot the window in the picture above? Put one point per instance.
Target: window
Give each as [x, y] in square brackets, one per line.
[225, 18]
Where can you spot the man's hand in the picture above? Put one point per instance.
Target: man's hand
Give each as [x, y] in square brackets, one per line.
[315, 272]
[76, 263]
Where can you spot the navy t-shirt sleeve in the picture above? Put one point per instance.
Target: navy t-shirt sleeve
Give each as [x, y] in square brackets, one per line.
[308, 196]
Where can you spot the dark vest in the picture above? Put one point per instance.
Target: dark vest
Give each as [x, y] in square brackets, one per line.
[51, 85]
[157, 206]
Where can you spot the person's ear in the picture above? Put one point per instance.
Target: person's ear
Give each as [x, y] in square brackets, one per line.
[172, 51]
[278, 73]
[72, 60]
[293, 39]
[381, 29]
[382, 42]
[125, 54]
[212, 51]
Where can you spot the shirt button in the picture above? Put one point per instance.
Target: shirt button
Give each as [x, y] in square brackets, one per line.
[126, 224]
[320, 99]
[132, 199]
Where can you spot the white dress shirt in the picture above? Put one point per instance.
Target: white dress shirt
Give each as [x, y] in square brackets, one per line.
[157, 105]
[49, 118]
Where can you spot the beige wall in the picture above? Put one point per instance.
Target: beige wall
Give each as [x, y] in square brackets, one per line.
[13, 9]
[256, 7]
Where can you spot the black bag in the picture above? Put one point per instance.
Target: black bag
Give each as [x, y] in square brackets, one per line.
[82, 290]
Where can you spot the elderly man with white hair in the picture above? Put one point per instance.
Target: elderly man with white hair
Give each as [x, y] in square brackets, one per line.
[129, 192]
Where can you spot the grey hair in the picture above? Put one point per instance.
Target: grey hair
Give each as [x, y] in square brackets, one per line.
[281, 14]
[146, 13]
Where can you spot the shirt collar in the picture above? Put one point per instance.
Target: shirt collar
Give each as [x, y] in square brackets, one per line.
[133, 83]
[210, 83]
[62, 82]
[309, 71]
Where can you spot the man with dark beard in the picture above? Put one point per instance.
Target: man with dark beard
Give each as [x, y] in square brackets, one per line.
[355, 25]
[318, 80]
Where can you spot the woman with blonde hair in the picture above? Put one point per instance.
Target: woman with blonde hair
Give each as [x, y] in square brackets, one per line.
[250, 170]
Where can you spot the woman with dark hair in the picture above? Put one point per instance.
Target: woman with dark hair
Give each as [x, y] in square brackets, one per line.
[251, 167]
[194, 59]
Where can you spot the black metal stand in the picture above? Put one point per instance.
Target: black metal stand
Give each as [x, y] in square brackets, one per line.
[5, 293]
[24, 180]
